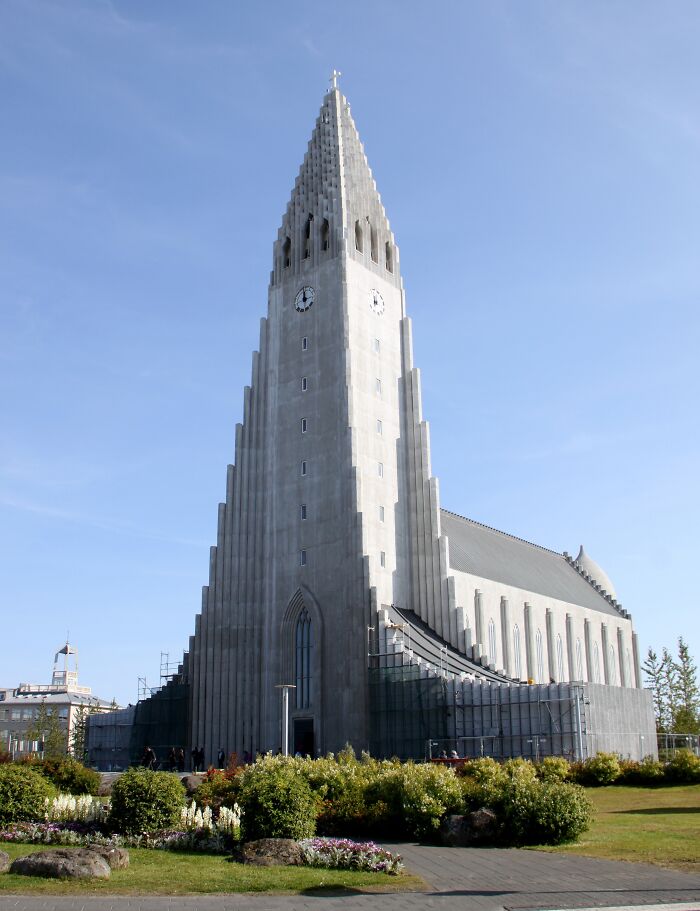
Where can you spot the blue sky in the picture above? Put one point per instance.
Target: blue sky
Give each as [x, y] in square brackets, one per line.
[540, 165]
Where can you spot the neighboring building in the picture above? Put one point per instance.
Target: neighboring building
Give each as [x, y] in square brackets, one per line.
[403, 627]
[63, 697]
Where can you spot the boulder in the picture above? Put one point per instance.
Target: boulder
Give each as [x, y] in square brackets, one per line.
[476, 828]
[4, 861]
[63, 863]
[117, 858]
[270, 852]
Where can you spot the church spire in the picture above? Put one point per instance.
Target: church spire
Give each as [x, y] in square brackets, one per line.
[335, 207]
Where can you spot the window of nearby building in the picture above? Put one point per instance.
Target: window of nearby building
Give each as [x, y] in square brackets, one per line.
[27, 714]
[382, 558]
[579, 660]
[302, 558]
[303, 425]
[560, 659]
[378, 386]
[380, 427]
[303, 660]
[540, 656]
[302, 511]
[63, 713]
[377, 346]
[381, 513]
[517, 662]
[304, 384]
[380, 469]
[16, 715]
[492, 641]
[303, 467]
[596, 663]
[304, 343]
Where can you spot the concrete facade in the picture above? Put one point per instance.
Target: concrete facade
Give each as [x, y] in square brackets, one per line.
[332, 547]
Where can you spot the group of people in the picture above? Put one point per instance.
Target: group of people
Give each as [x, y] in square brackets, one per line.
[176, 759]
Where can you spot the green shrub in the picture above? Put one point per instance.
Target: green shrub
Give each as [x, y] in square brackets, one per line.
[483, 781]
[553, 768]
[276, 800]
[597, 771]
[68, 775]
[544, 812]
[342, 782]
[145, 801]
[683, 768]
[23, 794]
[645, 773]
[218, 789]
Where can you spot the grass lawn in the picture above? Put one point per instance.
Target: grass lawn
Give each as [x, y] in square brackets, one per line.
[177, 873]
[649, 825]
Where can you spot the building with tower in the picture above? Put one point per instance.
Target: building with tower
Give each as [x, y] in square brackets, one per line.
[403, 627]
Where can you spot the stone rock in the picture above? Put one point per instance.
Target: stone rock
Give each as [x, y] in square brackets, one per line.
[117, 858]
[63, 863]
[269, 852]
[476, 828]
[4, 861]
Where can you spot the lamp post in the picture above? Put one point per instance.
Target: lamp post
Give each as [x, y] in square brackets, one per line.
[285, 687]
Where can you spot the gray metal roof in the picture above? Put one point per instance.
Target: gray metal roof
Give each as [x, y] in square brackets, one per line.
[492, 554]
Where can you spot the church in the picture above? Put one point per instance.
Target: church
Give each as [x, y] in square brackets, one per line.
[399, 627]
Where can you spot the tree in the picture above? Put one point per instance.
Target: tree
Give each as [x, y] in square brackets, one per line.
[47, 729]
[674, 689]
[687, 717]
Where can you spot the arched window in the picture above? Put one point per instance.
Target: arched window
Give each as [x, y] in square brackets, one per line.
[358, 237]
[325, 231]
[517, 663]
[373, 243]
[307, 237]
[611, 666]
[388, 257]
[302, 660]
[492, 641]
[596, 663]
[579, 660]
[540, 656]
[287, 253]
[560, 659]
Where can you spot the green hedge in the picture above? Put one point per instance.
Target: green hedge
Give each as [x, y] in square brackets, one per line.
[145, 801]
[276, 801]
[68, 775]
[23, 794]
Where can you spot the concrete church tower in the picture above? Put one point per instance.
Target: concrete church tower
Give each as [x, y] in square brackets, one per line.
[331, 451]
[401, 625]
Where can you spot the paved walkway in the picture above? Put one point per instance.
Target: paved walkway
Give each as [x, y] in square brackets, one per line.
[459, 879]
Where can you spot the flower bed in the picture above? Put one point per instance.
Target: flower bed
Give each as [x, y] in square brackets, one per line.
[343, 854]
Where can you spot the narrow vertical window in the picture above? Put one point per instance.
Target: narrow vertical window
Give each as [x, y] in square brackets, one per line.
[377, 346]
[302, 558]
[374, 248]
[358, 236]
[381, 513]
[287, 253]
[382, 558]
[380, 427]
[517, 663]
[540, 657]
[304, 384]
[560, 659]
[613, 675]
[302, 511]
[307, 237]
[303, 467]
[579, 660]
[303, 425]
[492, 641]
[378, 386]
[304, 343]
[388, 257]
[380, 469]
[302, 660]
[325, 230]
[596, 663]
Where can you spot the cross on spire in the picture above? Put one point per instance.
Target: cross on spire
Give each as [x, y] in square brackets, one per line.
[334, 78]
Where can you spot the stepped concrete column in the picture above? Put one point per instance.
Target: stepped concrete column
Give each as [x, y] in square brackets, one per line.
[479, 621]
[505, 637]
[589, 649]
[635, 658]
[551, 660]
[607, 669]
[570, 646]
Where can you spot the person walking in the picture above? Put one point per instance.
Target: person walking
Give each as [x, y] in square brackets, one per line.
[148, 760]
[221, 758]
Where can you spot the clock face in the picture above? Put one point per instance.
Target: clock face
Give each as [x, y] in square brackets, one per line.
[304, 299]
[376, 302]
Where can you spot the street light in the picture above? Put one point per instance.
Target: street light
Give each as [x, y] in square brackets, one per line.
[285, 687]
